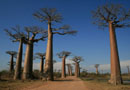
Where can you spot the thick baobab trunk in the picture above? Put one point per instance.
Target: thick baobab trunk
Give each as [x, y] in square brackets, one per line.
[96, 70]
[11, 63]
[27, 72]
[49, 55]
[77, 69]
[115, 63]
[63, 74]
[41, 66]
[19, 62]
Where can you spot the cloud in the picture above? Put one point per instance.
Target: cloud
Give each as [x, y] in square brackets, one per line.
[103, 67]
[91, 68]
[57, 65]
[106, 67]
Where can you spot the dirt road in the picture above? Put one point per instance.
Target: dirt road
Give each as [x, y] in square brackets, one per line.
[70, 83]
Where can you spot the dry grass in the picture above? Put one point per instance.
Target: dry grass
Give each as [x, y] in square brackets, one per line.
[18, 85]
[100, 82]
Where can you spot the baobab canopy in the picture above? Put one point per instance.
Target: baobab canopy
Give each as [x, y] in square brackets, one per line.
[111, 12]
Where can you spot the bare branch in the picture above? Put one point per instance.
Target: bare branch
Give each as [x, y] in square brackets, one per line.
[112, 12]
[34, 30]
[77, 59]
[63, 53]
[16, 35]
[48, 14]
[40, 55]
[14, 53]
[96, 65]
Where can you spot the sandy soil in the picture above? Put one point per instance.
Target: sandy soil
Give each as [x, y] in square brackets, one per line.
[70, 83]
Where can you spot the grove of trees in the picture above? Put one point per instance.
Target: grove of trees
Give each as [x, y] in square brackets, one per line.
[113, 16]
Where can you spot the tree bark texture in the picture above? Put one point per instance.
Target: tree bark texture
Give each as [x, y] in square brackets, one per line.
[115, 63]
[19, 62]
[49, 55]
[77, 69]
[96, 70]
[41, 66]
[68, 66]
[70, 70]
[28, 63]
[11, 63]
[63, 75]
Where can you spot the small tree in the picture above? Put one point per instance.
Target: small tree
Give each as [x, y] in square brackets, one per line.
[17, 36]
[13, 54]
[96, 66]
[63, 55]
[50, 16]
[42, 57]
[113, 16]
[30, 40]
[77, 60]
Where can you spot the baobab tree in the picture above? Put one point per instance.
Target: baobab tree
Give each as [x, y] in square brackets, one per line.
[17, 36]
[68, 66]
[54, 61]
[77, 60]
[69, 69]
[42, 57]
[96, 66]
[63, 55]
[30, 40]
[128, 69]
[12, 54]
[80, 70]
[51, 16]
[113, 16]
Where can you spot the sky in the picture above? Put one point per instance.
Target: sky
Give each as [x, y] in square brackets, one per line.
[91, 42]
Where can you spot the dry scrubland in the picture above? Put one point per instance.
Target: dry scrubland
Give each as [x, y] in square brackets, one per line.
[91, 81]
[100, 82]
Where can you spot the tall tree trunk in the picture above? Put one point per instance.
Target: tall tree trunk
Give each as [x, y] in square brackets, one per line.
[28, 63]
[76, 69]
[115, 63]
[19, 61]
[79, 70]
[128, 70]
[70, 70]
[42, 64]
[49, 55]
[63, 74]
[11, 63]
[96, 70]
[68, 66]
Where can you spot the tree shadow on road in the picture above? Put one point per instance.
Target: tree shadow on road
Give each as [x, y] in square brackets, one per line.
[63, 80]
